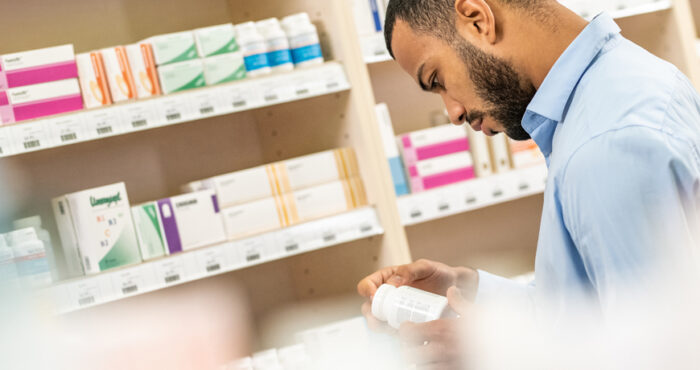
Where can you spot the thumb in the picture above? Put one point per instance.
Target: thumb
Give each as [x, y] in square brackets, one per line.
[457, 301]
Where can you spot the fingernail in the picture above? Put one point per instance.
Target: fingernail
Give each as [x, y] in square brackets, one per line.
[395, 280]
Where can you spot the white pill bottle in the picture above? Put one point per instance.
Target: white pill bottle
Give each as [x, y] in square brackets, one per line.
[303, 39]
[43, 235]
[398, 305]
[278, 53]
[254, 49]
[30, 258]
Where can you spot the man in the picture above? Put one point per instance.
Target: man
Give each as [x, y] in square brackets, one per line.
[620, 130]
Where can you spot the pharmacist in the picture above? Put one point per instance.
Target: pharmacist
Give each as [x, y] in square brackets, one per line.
[620, 130]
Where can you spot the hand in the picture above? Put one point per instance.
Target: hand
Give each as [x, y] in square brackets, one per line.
[427, 275]
[438, 344]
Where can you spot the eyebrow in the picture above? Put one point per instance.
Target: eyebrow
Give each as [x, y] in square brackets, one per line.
[419, 76]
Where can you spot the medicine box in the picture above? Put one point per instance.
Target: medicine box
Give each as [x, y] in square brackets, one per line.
[255, 217]
[149, 231]
[37, 66]
[526, 154]
[119, 76]
[96, 225]
[441, 171]
[173, 48]
[224, 68]
[280, 178]
[143, 69]
[500, 153]
[481, 154]
[433, 142]
[325, 200]
[93, 80]
[35, 101]
[391, 150]
[191, 221]
[181, 76]
[216, 40]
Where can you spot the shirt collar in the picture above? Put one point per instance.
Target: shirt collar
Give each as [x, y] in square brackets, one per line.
[552, 97]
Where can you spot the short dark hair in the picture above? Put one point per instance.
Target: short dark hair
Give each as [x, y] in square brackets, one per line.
[436, 17]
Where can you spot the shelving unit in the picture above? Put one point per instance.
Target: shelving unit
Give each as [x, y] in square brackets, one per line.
[214, 260]
[486, 223]
[73, 128]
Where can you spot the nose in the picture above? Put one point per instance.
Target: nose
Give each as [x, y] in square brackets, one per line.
[456, 111]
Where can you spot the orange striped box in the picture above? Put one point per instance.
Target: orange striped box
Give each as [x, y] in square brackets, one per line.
[325, 200]
[93, 80]
[119, 76]
[143, 70]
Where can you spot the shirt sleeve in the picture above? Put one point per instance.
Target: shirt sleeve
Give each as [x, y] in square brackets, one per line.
[629, 200]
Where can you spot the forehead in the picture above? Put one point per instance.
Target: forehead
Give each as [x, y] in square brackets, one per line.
[412, 49]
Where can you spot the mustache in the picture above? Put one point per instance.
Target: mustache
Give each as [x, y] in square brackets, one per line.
[475, 115]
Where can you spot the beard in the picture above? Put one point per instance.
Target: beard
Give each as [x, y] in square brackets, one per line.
[500, 86]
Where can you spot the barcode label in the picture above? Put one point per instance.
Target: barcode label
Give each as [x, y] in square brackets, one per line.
[139, 123]
[366, 228]
[1, 152]
[497, 193]
[524, 186]
[130, 289]
[443, 207]
[329, 238]
[416, 214]
[104, 130]
[332, 85]
[253, 257]
[69, 137]
[206, 110]
[471, 200]
[172, 279]
[173, 116]
[291, 248]
[212, 268]
[32, 144]
[270, 97]
[302, 91]
[239, 104]
[86, 300]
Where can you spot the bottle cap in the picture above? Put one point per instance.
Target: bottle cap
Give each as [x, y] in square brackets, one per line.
[34, 221]
[246, 28]
[379, 299]
[297, 18]
[20, 236]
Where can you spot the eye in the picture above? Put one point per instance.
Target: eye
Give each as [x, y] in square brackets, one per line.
[435, 82]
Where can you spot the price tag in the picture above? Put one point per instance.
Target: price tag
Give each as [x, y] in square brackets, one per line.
[140, 116]
[306, 84]
[276, 90]
[206, 103]
[32, 136]
[85, 293]
[170, 271]
[68, 129]
[129, 282]
[212, 260]
[173, 110]
[242, 96]
[252, 250]
[333, 78]
[6, 141]
[290, 241]
[104, 122]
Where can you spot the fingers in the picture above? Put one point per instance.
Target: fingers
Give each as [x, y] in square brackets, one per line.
[433, 343]
[419, 270]
[369, 285]
[457, 301]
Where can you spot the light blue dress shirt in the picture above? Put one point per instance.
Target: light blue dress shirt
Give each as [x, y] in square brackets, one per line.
[620, 129]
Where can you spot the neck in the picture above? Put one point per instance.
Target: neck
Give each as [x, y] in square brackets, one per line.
[542, 41]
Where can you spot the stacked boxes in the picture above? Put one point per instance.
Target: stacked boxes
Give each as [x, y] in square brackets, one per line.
[286, 193]
[437, 157]
[96, 229]
[38, 83]
[143, 68]
[93, 80]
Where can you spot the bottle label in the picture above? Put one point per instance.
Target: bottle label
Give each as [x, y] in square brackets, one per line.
[32, 265]
[256, 61]
[306, 53]
[279, 57]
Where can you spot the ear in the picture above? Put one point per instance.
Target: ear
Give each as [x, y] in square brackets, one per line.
[475, 21]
